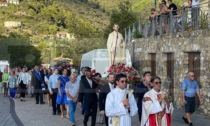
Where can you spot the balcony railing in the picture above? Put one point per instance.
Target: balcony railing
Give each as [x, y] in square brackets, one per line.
[187, 19]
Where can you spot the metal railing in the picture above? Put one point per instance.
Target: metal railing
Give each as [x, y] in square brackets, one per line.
[187, 19]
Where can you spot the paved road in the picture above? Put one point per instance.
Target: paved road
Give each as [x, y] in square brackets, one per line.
[6, 118]
[41, 115]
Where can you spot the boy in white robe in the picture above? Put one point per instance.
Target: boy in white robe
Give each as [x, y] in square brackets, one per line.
[120, 104]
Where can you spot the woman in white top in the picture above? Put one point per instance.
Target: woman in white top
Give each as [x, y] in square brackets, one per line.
[46, 79]
[23, 82]
[30, 89]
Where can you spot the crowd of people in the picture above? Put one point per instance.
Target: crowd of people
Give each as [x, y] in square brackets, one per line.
[108, 102]
[193, 11]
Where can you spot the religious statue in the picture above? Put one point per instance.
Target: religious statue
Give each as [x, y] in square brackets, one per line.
[116, 46]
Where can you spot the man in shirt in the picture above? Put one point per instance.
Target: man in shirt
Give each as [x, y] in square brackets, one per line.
[105, 89]
[120, 104]
[72, 90]
[53, 89]
[172, 7]
[88, 92]
[81, 75]
[142, 88]
[189, 89]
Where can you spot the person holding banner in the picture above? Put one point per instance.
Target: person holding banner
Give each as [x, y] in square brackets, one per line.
[37, 83]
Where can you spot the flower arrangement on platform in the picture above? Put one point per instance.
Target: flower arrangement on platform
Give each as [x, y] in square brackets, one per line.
[131, 73]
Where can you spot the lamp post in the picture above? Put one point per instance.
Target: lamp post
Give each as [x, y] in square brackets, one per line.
[155, 2]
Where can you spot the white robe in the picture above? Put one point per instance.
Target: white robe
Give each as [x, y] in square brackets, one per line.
[114, 107]
[112, 42]
[154, 107]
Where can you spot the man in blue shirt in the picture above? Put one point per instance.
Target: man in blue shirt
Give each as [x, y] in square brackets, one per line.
[53, 89]
[81, 75]
[189, 89]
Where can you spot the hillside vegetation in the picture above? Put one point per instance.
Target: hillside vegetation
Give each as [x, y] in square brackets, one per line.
[141, 7]
[46, 17]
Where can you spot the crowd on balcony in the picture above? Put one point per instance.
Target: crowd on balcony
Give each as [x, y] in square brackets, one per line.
[169, 16]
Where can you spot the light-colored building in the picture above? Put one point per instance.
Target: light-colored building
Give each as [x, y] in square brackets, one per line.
[17, 2]
[3, 4]
[9, 24]
[65, 35]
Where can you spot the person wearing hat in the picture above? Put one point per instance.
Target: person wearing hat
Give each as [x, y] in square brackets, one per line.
[87, 91]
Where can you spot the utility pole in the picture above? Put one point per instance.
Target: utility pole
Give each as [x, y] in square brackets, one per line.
[155, 2]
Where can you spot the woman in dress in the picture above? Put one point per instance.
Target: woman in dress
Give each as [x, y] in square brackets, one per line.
[61, 97]
[46, 79]
[12, 84]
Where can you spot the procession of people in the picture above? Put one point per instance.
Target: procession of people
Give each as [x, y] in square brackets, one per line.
[108, 101]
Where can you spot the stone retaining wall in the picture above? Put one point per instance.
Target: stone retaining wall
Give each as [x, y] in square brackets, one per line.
[180, 44]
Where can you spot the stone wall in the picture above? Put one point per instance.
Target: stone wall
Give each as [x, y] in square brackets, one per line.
[180, 44]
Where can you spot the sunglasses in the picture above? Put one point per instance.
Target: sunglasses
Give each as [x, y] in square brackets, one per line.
[157, 83]
[124, 81]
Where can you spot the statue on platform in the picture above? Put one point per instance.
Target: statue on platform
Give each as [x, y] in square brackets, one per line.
[116, 46]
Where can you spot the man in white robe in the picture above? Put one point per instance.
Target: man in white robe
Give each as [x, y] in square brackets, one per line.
[120, 104]
[115, 46]
[155, 111]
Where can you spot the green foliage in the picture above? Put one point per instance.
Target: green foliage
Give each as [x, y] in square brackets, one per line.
[18, 51]
[125, 17]
[46, 17]
[137, 34]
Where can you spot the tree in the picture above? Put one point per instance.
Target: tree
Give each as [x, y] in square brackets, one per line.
[125, 17]
[18, 51]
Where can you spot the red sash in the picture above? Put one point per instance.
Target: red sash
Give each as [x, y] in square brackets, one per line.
[152, 120]
[168, 118]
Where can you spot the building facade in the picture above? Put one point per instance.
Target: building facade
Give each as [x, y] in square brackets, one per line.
[171, 56]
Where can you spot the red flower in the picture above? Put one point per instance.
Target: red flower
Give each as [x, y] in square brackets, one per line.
[110, 70]
[118, 70]
[122, 65]
[115, 70]
[113, 65]
[124, 70]
[93, 71]
[129, 77]
[135, 77]
[132, 69]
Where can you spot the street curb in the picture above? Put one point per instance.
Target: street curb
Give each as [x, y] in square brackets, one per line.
[13, 113]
